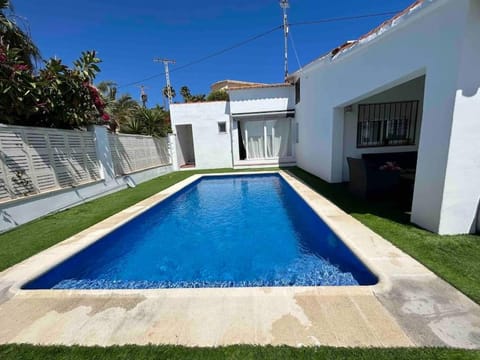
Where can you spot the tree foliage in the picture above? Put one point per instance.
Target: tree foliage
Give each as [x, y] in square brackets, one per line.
[189, 98]
[128, 116]
[153, 122]
[13, 36]
[219, 95]
[165, 92]
[54, 96]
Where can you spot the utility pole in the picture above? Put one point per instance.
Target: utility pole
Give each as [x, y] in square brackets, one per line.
[167, 76]
[284, 5]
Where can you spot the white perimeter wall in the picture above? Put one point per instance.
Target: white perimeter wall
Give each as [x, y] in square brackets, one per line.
[440, 41]
[21, 211]
[411, 90]
[212, 149]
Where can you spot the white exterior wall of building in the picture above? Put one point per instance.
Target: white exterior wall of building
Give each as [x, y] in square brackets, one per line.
[265, 99]
[411, 90]
[212, 149]
[438, 41]
[257, 101]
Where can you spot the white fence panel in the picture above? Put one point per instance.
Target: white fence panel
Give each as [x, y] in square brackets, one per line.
[131, 153]
[36, 160]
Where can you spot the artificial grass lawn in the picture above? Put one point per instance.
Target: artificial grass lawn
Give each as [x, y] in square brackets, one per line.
[26, 352]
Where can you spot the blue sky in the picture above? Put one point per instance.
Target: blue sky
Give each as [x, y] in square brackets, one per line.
[129, 34]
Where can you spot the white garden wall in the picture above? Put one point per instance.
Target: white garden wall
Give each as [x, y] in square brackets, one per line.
[438, 39]
[212, 148]
[37, 160]
[27, 208]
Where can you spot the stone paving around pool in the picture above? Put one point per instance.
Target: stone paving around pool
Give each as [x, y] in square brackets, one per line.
[410, 306]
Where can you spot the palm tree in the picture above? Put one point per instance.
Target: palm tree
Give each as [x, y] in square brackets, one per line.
[186, 94]
[13, 37]
[165, 92]
[153, 121]
[108, 90]
[123, 110]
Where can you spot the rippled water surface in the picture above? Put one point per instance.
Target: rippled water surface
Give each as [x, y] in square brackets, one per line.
[230, 231]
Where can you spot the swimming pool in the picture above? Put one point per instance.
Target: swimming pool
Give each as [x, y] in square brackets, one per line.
[220, 231]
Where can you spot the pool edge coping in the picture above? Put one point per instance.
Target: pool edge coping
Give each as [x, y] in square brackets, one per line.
[20, 274]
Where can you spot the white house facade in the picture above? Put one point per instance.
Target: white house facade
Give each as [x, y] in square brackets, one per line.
[411, 85]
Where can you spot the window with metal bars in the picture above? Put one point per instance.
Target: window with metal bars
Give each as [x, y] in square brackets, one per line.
[387, 124]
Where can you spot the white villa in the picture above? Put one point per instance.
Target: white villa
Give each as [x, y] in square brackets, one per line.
[410, 85]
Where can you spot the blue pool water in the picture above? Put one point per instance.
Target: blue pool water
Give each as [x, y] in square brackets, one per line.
[222, 231]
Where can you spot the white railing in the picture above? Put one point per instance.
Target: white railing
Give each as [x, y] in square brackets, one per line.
[37, 160]
[131, 153]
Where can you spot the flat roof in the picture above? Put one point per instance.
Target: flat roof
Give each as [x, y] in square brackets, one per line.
[261, 86]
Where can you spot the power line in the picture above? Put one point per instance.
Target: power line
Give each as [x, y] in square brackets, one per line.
[217, 53]
[345, 18]
[258, 36]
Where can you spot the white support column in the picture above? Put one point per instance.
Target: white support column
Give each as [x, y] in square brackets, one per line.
[447, 185]
[172, 149]
[337, 144]
[104, 154]
[461, 198]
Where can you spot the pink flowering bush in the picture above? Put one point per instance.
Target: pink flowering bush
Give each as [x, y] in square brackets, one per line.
[55, 96]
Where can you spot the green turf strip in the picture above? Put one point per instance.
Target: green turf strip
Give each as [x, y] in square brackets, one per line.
[25, 352]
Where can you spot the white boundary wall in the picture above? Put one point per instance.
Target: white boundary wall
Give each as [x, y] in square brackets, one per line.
[25, 209]
[131, 153]
[38, 160]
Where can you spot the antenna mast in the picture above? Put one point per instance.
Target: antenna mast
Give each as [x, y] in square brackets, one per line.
[285, 5]
[143, 95]
[167, 76]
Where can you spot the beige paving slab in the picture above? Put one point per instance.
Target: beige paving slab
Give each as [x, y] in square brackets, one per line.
[380, 322]
[240, 322]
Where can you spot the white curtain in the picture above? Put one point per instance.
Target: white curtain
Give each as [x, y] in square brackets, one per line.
[282, 142]
[254, 138]
[270, 125]
[267, 139]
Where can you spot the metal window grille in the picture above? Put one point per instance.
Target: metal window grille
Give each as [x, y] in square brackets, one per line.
[387, 124]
